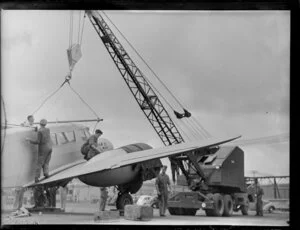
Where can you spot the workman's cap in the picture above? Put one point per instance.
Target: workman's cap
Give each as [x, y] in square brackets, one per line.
[43, 122]
[30, 116]
[98, 131]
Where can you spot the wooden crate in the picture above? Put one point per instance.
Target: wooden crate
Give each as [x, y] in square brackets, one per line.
[138, 212]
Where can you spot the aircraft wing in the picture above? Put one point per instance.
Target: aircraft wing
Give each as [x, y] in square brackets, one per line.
[98, 163]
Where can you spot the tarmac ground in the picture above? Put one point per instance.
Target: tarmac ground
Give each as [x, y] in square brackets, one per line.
[83, 213]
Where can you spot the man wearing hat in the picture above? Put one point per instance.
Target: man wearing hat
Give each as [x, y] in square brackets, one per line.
[162, 184]
[90, 147]
[29, 122]
[259, 202]
[44, 143]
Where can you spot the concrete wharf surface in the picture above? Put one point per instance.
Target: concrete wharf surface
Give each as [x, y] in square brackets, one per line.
[83, 213]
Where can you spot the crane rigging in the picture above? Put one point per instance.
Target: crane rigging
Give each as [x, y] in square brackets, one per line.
[194, 125]
[145, 93]
[135, 80]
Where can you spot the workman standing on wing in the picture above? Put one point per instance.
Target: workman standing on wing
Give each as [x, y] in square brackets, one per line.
[44, 143]
[29, 122]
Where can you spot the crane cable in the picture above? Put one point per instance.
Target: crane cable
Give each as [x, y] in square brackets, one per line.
[93, 111]
[79, 21]
[197, 124]
[84, 16]
[47, 98]
[79, 41]
[144, 62]
[71, 30]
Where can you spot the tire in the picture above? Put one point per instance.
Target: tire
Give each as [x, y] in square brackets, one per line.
[245, 209]
[154, 205]
[183, 211]
[228, 205]
[174, 211]
[123, 200]
[209, 212]
[190, 211]
[218, 204]
[271, 209]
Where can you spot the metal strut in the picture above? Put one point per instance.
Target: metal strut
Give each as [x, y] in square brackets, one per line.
[139, 87]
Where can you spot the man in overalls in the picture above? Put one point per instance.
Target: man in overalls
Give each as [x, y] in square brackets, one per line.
[259, 201]
[162, 185]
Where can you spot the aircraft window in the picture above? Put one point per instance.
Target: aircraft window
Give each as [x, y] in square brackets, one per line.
[70, 136]
[53, 138]
[61, 138]
[82, 134]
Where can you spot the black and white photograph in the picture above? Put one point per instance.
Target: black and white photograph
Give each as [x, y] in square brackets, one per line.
[145, 117]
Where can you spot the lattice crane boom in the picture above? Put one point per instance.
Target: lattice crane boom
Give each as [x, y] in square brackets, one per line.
[145, 96]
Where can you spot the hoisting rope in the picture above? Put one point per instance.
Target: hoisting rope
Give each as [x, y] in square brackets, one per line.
[79, 19]
[71, 30]
[82, 28]
[77, 55]
[93, 111]
[51, 95]
[67, 80]
[196, 124]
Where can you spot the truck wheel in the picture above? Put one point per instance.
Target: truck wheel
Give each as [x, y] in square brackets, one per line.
[183, 211]
[245, 208]
[174, 211]
[209, 212]
[189, 211]
[123, 200]
[218, 204]
[228, 205]
[271, 209]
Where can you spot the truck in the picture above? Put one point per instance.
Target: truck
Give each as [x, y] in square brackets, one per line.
[219, 187]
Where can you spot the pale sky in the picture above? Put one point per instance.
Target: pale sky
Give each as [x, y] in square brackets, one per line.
[231, 70]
